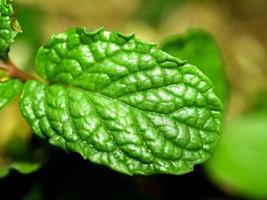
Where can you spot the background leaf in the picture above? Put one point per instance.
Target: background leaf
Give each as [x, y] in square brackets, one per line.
[22, 156]
[21, 167]
[240, 163]
[198, 47]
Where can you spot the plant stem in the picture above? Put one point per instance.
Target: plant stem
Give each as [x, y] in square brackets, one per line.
[14, 72]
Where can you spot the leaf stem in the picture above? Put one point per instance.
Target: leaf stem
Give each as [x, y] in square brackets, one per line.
[15, 72]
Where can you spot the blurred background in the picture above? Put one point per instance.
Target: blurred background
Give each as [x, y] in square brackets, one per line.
[238, 170]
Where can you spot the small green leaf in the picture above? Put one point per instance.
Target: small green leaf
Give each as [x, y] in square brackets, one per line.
[21, 167]
[122, 103]
[199, 48]
[25, 167]
[21, 156]
[8, 91]
[9, 28]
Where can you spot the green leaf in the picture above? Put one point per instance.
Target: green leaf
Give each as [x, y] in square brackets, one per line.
[200, 48]
[8, 91]
[20, 155]
[239, 164]
[122, 103]
[21, 167]
[9, 28]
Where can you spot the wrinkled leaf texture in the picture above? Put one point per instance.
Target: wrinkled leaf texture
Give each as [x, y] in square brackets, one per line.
[122, 103]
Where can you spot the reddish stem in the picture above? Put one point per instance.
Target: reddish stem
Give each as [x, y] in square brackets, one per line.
[14, 72]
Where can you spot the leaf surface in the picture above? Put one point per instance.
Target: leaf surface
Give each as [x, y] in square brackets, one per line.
[8, 91]
[122, 103]
[9, 28]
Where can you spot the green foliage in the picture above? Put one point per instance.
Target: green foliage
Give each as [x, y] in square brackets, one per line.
[21, 167]
[21, 157]
[9, 90]
[240, 162]
[122, 103]
[199, 48]
[9, 28]
[117, 101]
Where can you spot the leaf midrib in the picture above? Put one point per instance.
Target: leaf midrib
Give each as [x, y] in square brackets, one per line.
[138, 109]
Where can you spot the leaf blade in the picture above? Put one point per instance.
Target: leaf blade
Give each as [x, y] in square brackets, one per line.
[21, 167]
[91, 117]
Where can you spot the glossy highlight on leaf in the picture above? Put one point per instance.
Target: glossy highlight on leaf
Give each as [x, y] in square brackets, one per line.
[8, 91]
[122, 103]
[8, 26]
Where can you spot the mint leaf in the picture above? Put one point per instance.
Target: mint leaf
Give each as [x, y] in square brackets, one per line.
[9, 28]
[199, 48]
[122, 103]
[8, 91]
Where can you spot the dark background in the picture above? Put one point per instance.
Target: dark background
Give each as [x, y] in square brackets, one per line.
[66, 176]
